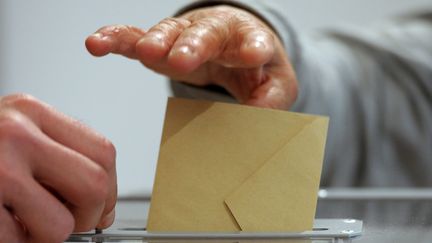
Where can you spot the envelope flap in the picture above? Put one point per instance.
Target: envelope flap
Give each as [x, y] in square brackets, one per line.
[179, 113]
[282, 194]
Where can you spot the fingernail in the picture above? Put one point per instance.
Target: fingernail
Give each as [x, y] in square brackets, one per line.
[257, 42]
[100, 36]
[107, 220]
[97, 35]
[184, 58]
[183, 50]
[156, 38]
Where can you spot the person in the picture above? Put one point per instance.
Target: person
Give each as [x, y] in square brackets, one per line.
[375, 85]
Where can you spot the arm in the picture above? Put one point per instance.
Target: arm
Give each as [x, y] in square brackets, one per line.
[374, 85]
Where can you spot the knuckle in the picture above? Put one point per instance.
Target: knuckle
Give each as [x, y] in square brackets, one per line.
[221, 11]
[215, 27]
[114, 29]
[10, 229]
[10, 171]
[8, 177]
[63, 228]
[242, 22]
[18, 98]
[204, 35]
[98, 189]
[110, 154]
[11, 175]
[293, 89]
[12, 127]
[110, 204]
[23, 102]
[244, 25]
[84, 225]
[170, 24]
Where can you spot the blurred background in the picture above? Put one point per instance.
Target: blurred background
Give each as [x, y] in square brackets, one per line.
[42, 53]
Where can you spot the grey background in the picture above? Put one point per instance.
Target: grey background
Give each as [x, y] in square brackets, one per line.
[42, 53]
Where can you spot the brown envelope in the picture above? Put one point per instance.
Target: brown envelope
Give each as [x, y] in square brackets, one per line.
[225, 168]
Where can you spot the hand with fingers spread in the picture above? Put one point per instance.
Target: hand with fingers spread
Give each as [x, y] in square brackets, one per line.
[56, 175]
[220, 45]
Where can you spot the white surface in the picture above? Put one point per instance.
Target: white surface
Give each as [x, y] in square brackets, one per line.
[42, 53]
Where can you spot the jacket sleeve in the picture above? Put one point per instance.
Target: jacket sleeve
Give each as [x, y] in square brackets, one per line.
[375, 84]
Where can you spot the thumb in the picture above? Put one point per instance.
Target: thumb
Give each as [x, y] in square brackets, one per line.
[276, 92]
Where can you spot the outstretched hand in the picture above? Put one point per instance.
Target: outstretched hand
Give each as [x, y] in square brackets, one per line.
[220, 45]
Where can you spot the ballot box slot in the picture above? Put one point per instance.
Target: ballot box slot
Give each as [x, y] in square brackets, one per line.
[133, 229]
[144, 229]
[324, 229]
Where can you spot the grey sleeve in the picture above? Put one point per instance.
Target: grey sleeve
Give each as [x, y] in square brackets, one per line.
[375, 84]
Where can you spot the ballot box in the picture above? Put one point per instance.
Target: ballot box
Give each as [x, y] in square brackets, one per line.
[343, 215]
[130, 226]
[325, 230]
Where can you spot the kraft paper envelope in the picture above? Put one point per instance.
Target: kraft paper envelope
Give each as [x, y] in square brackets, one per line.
[225, 168]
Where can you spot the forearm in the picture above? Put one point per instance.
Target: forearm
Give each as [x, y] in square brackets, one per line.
[375, 86]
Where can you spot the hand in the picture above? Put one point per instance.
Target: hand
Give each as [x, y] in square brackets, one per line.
[219, 45]
[56, 175]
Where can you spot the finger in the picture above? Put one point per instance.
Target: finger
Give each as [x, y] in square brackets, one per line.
[156, 43]
[256, 49]
[202, 40]
[78, 137]
[231, 42]
[107, 220]
[118, 39]
[44, 217]
[250, 45]
[64, 129]
[10, 229]
[78, 180]
[276, 92]
[107, 217]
